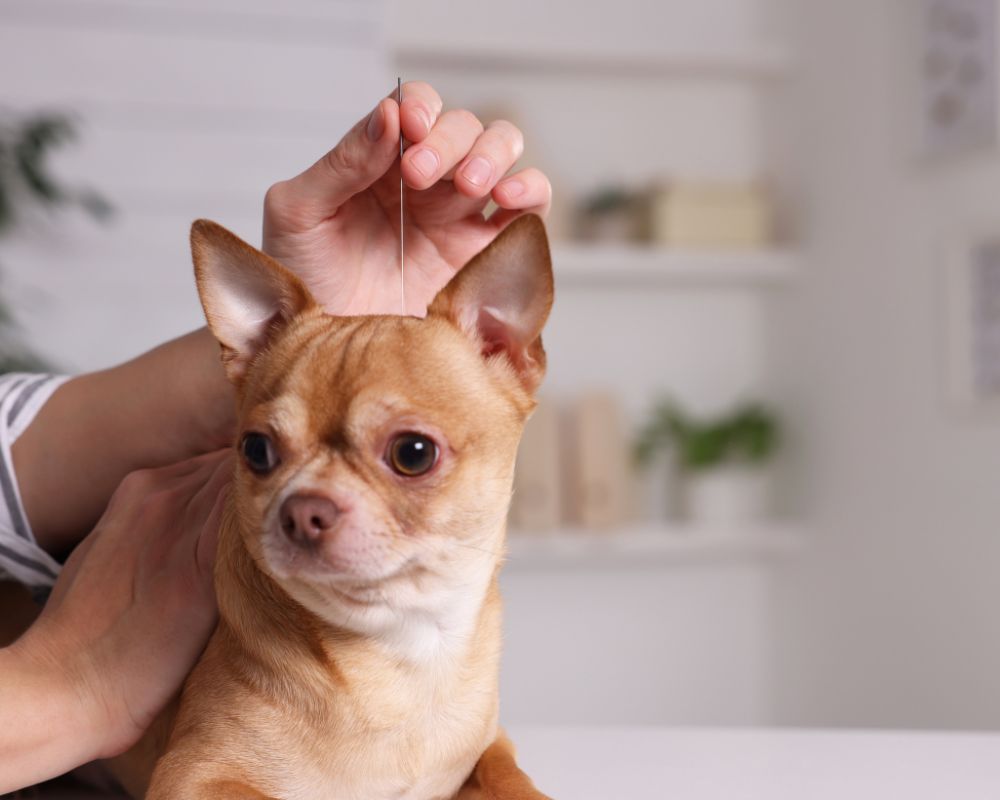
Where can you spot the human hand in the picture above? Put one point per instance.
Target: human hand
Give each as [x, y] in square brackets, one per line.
[133, 608]
[336, 225]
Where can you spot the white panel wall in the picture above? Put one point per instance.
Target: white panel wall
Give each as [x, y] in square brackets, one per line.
[187, 109]
[193, 108]
[890, 619]
[677, 643]
[684, 644]
[629, 25]
[587, 128]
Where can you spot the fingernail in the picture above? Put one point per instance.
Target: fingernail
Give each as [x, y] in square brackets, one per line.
[478, 171]
[376, 124]
[425, 117]
[425, 161]
[513, 188]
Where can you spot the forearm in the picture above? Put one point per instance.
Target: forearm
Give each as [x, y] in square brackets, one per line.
[46, 728]
[166, 405]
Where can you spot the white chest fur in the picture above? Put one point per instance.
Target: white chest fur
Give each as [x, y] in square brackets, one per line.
[416, 736]
[428, 761]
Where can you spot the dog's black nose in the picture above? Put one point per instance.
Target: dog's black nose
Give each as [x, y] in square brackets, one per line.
[306, 517]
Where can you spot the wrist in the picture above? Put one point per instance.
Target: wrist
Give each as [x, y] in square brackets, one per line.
[208, 398]
[181, 403]
[167, 405]
[50, 722]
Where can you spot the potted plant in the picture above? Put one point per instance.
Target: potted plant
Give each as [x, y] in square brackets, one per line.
[723, 461]
[26, 184]
[610, 214]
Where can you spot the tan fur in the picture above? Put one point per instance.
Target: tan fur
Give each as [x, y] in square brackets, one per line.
[383, 684]
[497, 776]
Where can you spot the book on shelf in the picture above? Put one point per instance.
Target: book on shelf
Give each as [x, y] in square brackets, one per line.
[537, 500]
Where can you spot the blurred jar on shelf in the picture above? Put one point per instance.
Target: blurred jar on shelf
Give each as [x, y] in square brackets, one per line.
[710, 215]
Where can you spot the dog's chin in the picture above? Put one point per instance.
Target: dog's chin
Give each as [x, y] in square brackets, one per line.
[288, 561]
[351, 599]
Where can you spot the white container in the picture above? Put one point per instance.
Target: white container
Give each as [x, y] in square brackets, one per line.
[711, 215]
[728, 495]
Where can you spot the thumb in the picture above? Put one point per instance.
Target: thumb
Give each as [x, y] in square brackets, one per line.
[363, 156]
[208, 537]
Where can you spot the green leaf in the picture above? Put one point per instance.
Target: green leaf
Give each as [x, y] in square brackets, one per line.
[36, 139]
[750, 433]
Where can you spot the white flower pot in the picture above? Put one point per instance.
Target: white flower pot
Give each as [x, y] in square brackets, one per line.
[728, 495]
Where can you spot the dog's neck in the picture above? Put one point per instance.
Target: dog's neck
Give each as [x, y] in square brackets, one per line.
[435, 647]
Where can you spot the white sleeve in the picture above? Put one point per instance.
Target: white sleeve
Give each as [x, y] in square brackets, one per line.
[21, 397]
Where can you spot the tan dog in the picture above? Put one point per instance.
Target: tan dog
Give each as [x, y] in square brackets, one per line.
[357, 654]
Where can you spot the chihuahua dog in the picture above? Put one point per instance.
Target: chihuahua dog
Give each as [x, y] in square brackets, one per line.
[357, 652]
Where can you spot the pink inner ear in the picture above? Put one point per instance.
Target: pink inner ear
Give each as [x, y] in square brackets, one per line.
[495, 333]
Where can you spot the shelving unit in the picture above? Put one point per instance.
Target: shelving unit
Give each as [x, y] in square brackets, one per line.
[650, 545]
[626, 265]
[615, 106]
[751, 61]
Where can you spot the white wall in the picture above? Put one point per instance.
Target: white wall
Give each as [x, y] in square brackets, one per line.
[676, 643]
[631, 25]
[194, 108]
[187, 109]
[592, 127]
[891, 616]
[682, 644]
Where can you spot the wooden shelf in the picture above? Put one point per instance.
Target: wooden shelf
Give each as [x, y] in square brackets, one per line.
[650, 545]
[745, 61]
[626, 265]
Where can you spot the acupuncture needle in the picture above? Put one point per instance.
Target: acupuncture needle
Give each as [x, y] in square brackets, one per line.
[402, 273]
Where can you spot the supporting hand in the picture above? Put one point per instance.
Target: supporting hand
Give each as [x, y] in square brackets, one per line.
[126, 621]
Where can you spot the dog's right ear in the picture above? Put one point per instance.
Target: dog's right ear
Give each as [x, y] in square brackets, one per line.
[503, 296]
[247, 295]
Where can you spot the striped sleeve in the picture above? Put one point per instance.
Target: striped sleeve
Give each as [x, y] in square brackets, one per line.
[21, 398]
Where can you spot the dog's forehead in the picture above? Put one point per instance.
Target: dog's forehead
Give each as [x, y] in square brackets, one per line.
[343, 371]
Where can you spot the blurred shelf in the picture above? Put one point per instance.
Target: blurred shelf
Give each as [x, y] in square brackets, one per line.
[650, 545]
[744, 61]
[627, 265]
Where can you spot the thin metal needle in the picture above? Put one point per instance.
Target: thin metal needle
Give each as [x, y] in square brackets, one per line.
[402, 280]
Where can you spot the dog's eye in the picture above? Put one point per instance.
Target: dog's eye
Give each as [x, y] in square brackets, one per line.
[259, 453]
[412, 454]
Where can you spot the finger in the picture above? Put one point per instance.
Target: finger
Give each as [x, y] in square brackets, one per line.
[447, 144]
[205, 487]
[208, 537]
[139, 485]
[495, 152]
[208, 463]
[359, 159]
[201, 522]
[420, 109]
[181, 469]
[524, 192]
[167, 493]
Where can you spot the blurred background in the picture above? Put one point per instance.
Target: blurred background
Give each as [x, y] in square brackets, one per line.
[761, 486]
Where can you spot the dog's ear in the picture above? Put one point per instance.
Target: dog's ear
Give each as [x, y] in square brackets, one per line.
[247, 295]
[502, 297]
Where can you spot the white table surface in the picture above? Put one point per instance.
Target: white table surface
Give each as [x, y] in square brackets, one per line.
[582, 763]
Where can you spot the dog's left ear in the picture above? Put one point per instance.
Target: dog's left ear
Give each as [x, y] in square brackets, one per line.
[502, 297]
[247, 295]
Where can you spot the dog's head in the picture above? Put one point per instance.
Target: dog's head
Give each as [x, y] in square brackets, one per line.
[377, 452]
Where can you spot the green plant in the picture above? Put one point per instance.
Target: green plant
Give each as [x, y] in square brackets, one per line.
[607, 200]
[26, 181]
[749, 434]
